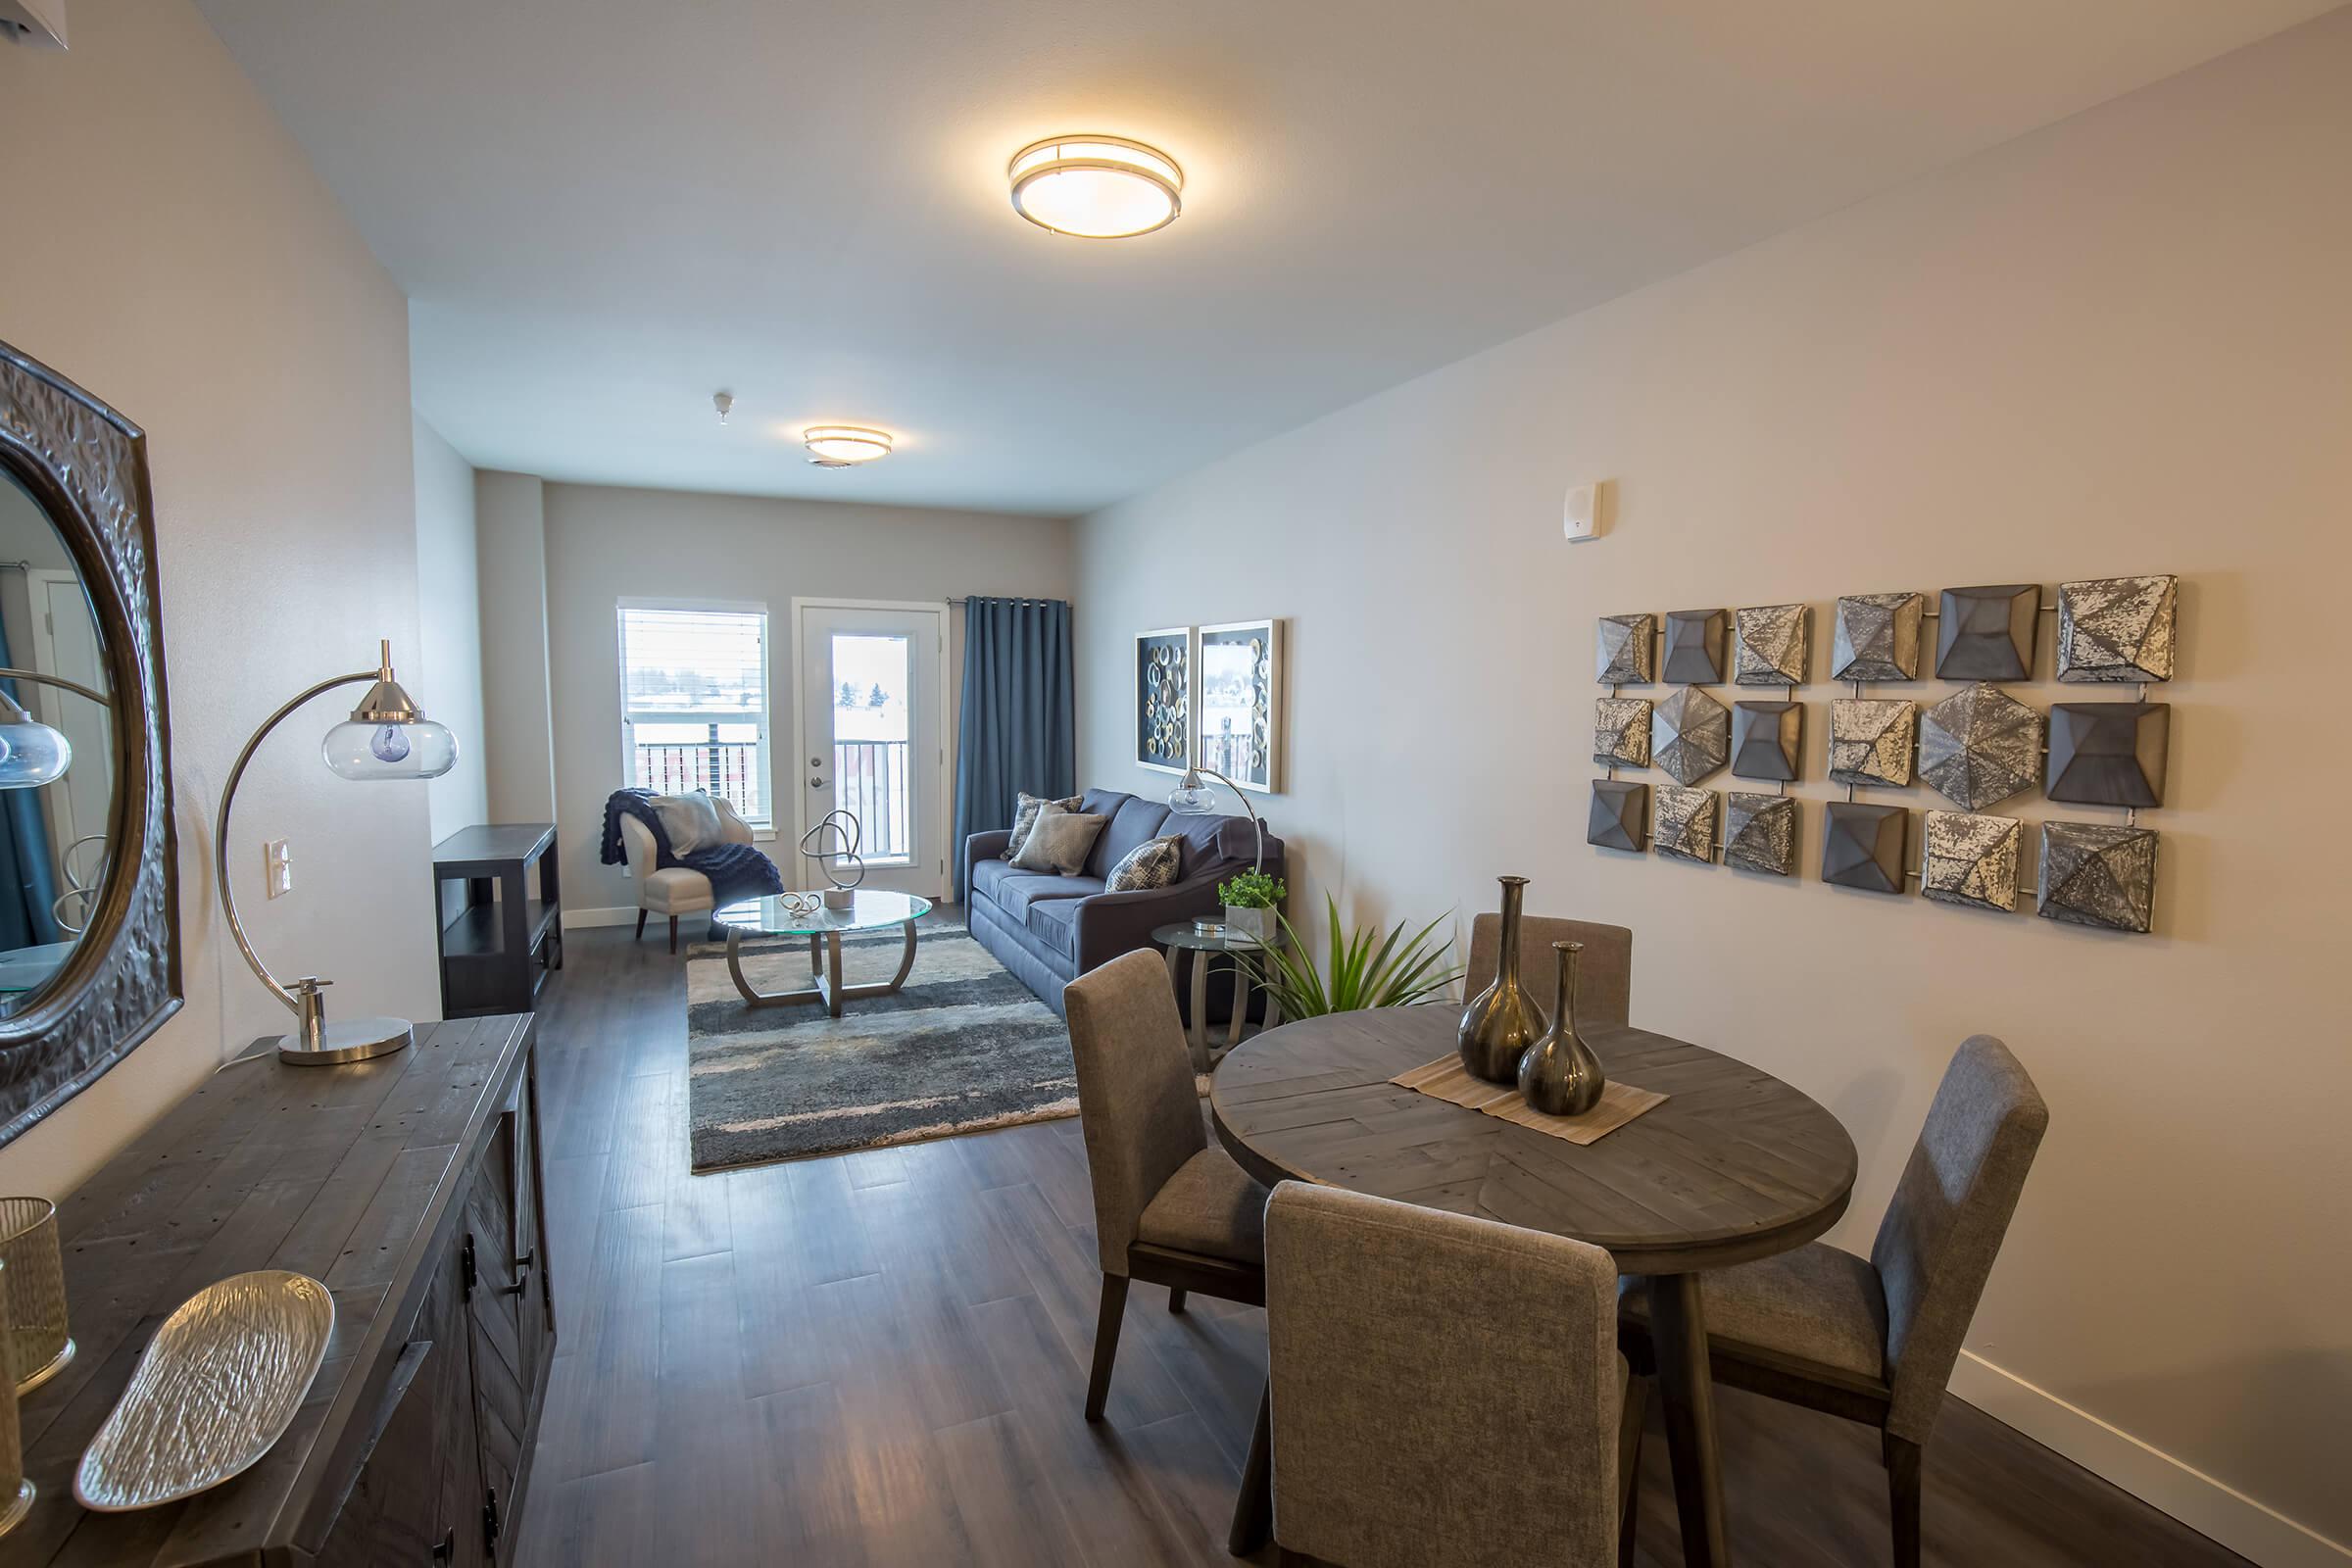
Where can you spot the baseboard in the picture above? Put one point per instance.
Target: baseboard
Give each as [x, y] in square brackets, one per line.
[625, 914]
[2210, 1507]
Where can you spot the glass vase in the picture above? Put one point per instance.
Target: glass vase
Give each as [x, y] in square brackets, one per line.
[1559, 1075]
[1502, 1020]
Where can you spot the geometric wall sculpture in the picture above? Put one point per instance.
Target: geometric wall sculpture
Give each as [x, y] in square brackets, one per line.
[1624, 652]
[1869, 740]
[1620, 815]
[2108, 753]
[1685, 826]
[1621, 732]
[1772, 645]
[1694, 646]
[1767, 739]
[1980, 746]
[2117, 628]
[1862, 846]
[1689, 735]
[1972, 859]
[1878, 637]
[2093, 875]
[1987, 633]
[1759, 832]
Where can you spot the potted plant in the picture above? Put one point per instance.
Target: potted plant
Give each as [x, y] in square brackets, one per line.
[1249, 899]
[1364, 968]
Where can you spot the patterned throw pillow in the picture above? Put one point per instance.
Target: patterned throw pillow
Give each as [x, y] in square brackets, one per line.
[1025, 818]
[1061, 840]
[1152, 864]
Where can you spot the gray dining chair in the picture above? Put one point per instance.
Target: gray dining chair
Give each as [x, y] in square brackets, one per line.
[1604, 972]
[1875, 1339]
[1442, 1392]
[1170, 1207]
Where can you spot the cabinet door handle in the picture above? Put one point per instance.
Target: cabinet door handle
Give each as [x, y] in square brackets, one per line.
[522, 1276]
[446, 1548]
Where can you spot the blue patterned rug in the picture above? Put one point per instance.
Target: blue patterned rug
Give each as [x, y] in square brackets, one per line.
[963, 1047]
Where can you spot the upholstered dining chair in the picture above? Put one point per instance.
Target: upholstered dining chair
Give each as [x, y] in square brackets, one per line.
[1170, 1207]
[1442, 1392]
[1604, 974]
[674, 890]
[1874, 1339]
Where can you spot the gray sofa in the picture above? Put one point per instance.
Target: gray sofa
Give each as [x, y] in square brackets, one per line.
[1048, 929]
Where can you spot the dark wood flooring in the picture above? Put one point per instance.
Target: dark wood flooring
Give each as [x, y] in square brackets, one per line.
[879, 1359]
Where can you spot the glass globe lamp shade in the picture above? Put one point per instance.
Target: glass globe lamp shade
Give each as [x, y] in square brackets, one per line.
[417, 749]
[31, 754]
[1192, 797]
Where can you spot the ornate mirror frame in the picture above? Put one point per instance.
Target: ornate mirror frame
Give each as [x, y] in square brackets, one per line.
[87, 467]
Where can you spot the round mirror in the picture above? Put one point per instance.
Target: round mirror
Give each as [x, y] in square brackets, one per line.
[57, 751]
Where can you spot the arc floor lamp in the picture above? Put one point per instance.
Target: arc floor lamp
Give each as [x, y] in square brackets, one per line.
[386, 737]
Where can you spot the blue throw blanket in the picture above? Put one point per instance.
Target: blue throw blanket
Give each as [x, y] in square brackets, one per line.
[737, 872]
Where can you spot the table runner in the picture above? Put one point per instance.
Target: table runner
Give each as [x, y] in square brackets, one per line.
[1449, 1080]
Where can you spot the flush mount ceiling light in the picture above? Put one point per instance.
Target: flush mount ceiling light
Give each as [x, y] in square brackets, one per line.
[844, 446]
[1095, 187]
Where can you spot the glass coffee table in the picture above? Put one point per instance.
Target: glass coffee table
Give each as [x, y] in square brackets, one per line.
[776, 917]
[1236, 946]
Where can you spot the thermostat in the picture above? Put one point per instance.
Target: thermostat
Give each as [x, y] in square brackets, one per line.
[1586, 512]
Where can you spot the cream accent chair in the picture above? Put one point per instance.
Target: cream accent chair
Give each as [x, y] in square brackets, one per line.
[674, 890]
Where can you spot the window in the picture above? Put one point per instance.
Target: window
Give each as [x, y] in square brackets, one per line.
[694, 703]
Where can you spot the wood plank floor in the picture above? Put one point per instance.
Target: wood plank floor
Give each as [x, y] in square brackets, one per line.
[879, 1359]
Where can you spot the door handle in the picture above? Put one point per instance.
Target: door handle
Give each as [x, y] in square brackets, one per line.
[446, 1548]
[816, 783]
[522, 1276]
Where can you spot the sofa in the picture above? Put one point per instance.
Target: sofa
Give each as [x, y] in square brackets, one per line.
[1050, 929]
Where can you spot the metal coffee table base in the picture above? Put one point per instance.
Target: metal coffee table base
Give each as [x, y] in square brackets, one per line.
[824, 974]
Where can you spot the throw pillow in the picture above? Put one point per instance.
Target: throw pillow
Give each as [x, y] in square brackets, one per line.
[1059, 841]
[691, 822]
[1025, 817]
[1152, 864]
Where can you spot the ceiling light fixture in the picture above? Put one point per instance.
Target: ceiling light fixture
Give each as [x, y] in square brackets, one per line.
[723, 402]
[1095, 187]
[844, 446]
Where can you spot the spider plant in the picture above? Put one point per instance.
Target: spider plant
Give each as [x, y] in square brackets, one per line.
[1363, 968]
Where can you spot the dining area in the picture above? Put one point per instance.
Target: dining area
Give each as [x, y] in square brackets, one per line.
[1496, 1244]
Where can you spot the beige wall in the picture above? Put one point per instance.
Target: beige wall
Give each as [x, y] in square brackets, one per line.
[511, 556]
[2123, 345]
[168, 247]
[605, 544]
[448, 679]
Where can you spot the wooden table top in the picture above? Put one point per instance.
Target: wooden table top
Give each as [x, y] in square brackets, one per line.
[1735, 1165]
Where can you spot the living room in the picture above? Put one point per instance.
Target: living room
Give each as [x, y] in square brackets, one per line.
[1032, 694]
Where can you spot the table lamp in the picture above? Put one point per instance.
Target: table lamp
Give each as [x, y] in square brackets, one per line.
[386, 737]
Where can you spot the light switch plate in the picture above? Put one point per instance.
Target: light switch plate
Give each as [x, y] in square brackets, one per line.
[278, 866]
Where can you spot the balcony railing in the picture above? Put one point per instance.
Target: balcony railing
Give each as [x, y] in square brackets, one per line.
[1226, 752]
[870, 778]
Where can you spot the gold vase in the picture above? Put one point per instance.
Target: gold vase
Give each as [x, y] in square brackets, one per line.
[1502, 1020]
[1559, 1075]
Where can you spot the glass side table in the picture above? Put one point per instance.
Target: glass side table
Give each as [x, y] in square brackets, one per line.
[1205, 947]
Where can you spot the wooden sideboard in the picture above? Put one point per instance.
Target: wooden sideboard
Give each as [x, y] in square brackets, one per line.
[410, 1185]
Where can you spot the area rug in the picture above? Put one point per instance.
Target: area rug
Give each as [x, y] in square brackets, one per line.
[963, 1047]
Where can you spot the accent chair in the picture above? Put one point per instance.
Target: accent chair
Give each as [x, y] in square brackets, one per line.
[1604, 969]
[1873, 1339]
[673, 889]
[1170, 1207]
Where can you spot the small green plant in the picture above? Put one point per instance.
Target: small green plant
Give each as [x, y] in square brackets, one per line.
[1252, 889]
[1364, 968]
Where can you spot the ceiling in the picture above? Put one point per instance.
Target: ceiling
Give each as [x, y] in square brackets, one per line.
[604, 212]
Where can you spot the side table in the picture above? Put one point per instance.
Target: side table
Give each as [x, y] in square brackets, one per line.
[1182, 938]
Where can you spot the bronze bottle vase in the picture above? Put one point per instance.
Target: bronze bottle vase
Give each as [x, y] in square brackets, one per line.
[1502, 1020]
[1559, 1075]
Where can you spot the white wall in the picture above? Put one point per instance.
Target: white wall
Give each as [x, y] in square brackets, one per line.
[2121, 345]
[510, 551]
[168, 248]
[448, 683]
[605, 544]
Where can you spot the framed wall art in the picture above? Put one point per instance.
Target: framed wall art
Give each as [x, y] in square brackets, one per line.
[1238, 706]
[1164, 698]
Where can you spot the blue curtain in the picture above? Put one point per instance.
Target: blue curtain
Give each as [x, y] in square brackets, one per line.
[1020, 712]
[28, 880]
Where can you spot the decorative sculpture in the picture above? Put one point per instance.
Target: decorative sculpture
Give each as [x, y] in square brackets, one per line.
[1759, 832]
[1871, 740]
[1620, 815]
[1972, 859]
[2117, 628]
[1689, 735]
[841, 830]
[1980, 746]
[1878, 637]
[2108, 753]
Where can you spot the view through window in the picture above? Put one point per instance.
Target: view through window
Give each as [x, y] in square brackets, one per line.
[694, 703]
[871, 681]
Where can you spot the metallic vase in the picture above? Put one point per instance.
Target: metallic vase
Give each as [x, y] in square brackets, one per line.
[1559, 1075]
[35, 1319]
[1502, 1020]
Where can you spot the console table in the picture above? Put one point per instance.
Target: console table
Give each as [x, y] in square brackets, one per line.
[501, 943]
[411, 1186]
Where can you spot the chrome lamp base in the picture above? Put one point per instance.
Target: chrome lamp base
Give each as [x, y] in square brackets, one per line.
[350, 1040]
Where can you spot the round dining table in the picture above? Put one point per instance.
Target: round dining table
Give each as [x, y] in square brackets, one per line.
[1735, 1165]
